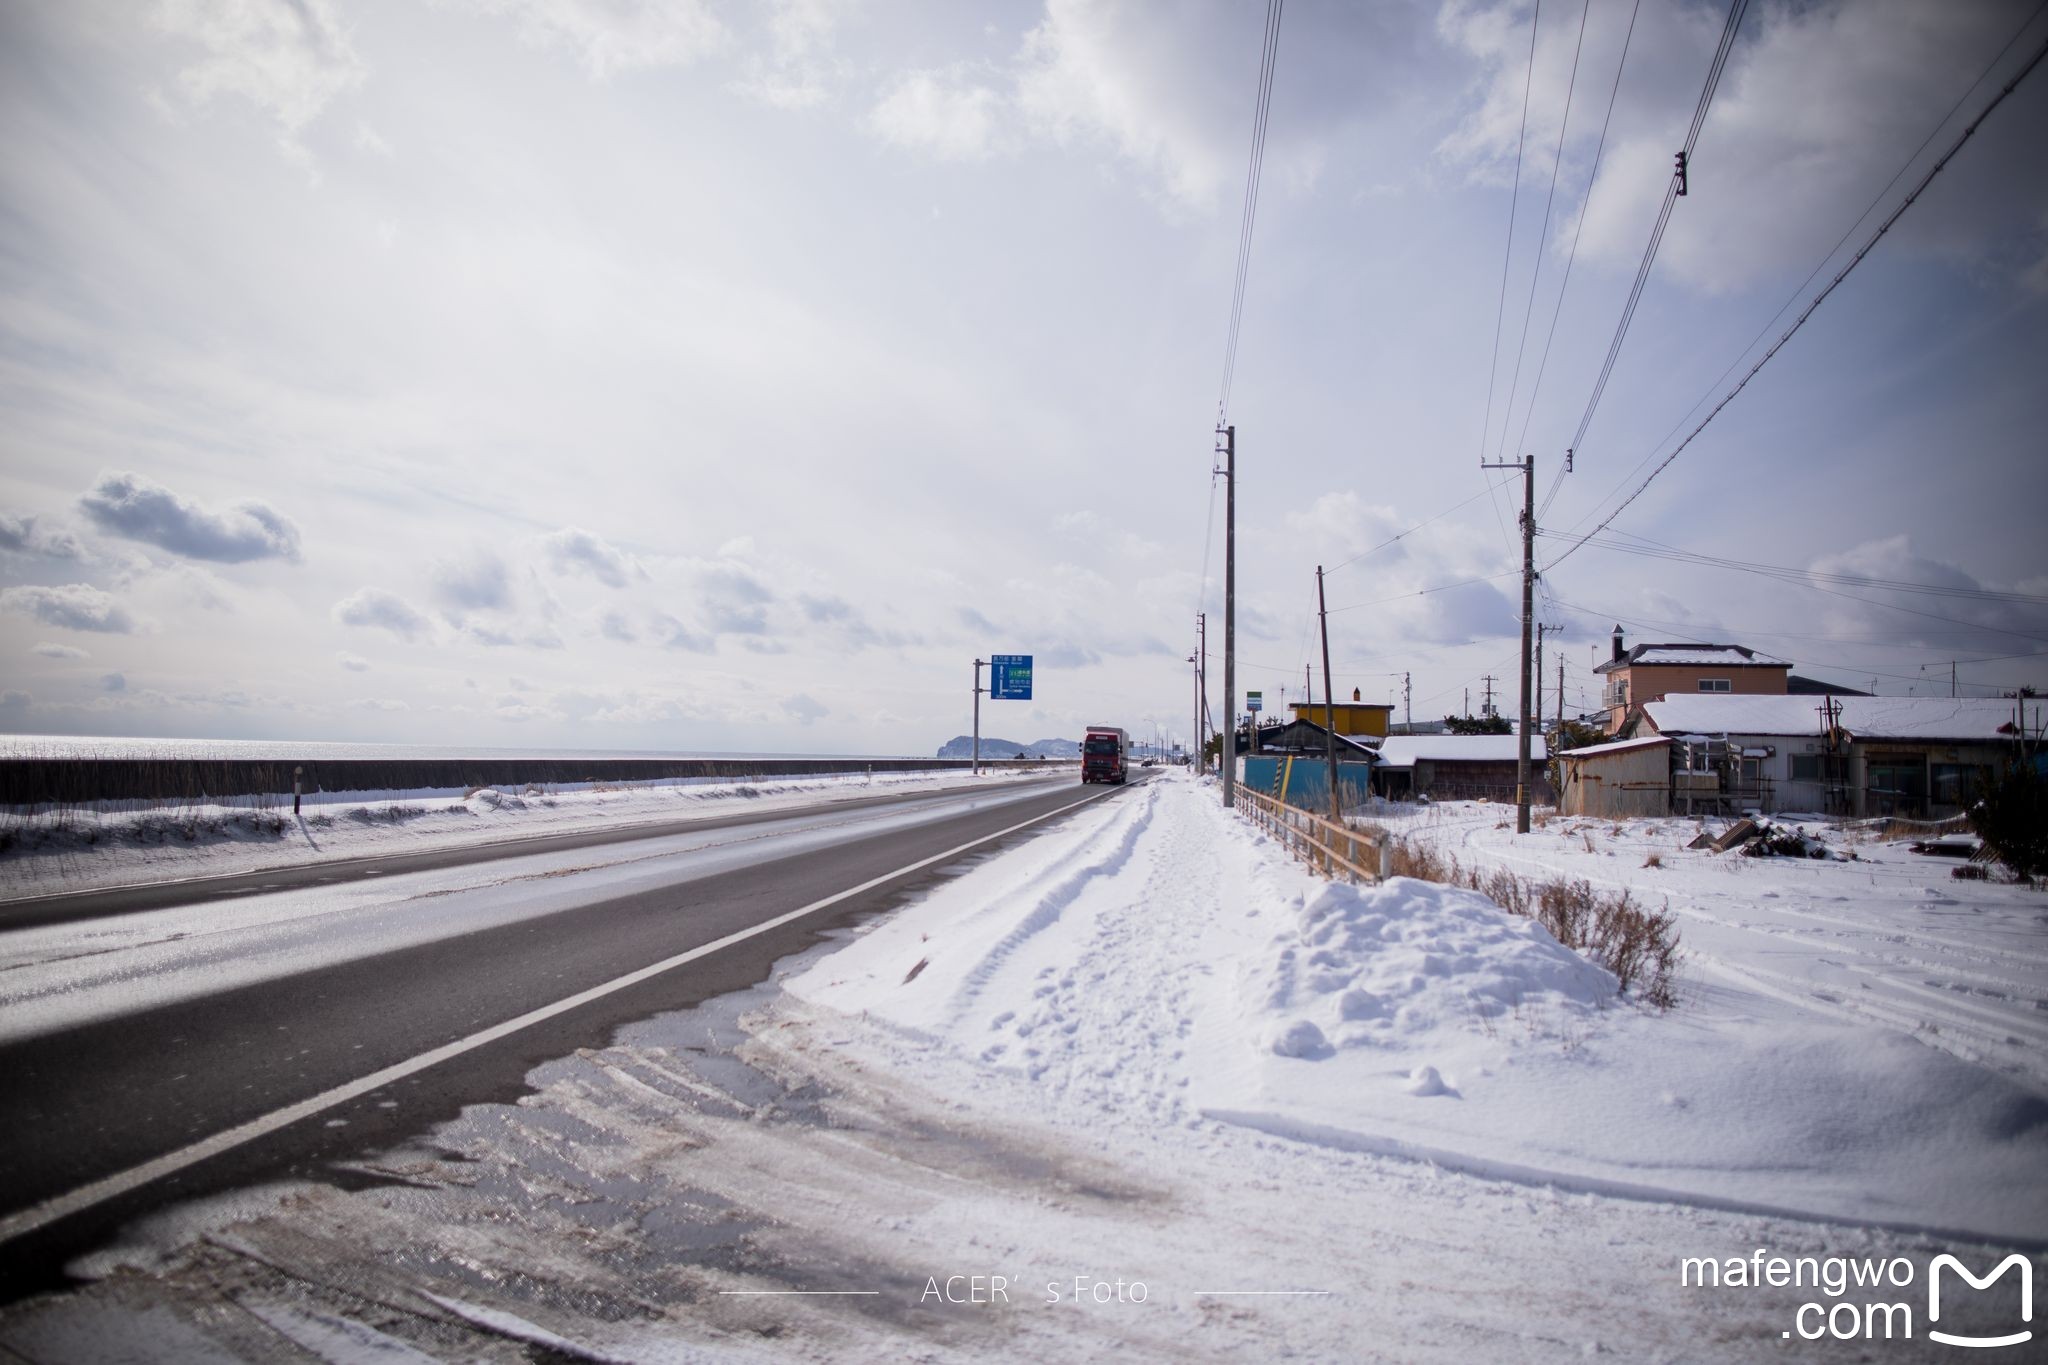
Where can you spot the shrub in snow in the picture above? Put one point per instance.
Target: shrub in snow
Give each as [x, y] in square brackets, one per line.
[1639, 946]
[2011, 817]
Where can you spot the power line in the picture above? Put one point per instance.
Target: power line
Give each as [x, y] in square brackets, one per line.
[1800, 289]
[1592, 178]
[1672, 190]
[1655, 549]
[1681, 634]
[1362, 554]
[1818, 299]
[1549, 201]
[1507, 259]
[1424, 592]
[1253, 172]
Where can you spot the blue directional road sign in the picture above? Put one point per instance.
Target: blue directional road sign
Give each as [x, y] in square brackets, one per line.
[1010, 677]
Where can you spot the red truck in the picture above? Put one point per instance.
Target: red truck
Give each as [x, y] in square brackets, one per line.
[1105, 755]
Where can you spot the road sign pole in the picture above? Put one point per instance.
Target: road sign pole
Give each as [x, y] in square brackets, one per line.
[979, 664]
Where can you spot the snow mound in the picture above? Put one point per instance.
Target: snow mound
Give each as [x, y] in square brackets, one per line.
[1406, 958]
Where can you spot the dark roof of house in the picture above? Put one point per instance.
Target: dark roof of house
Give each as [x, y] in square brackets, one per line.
[1814, 687]
[1305, 736]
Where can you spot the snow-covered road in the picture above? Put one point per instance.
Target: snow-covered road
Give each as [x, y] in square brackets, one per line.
[1146, 1049]
[61, 975]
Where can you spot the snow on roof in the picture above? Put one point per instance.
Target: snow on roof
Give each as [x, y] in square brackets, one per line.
[1969, 719]
[1401, 751]
[1693, 656]
[1613, 747]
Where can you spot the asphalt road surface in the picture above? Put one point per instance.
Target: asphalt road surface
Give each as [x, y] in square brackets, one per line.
[199, 1036]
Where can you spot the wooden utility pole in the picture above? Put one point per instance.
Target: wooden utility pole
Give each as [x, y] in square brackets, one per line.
[1329, 701]
[1527, 465]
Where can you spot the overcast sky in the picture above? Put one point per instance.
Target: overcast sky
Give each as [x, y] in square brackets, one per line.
[729, 375]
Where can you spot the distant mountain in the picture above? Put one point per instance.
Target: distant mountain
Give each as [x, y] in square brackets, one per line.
[962, 746]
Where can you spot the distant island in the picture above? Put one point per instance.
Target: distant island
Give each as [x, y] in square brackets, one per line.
[962, 746]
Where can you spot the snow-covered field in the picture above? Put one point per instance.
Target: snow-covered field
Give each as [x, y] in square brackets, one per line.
[1147, 1051]
[85, 848]
[1176, 969]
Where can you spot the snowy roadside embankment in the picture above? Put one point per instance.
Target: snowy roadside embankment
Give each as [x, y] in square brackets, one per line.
[1159, 962]
[85, 849]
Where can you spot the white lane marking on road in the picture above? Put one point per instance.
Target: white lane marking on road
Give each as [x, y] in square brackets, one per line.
[109, 1187]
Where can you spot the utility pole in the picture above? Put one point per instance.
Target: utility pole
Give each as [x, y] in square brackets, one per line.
[1486, 706]
[1527, 465]
[979, 664]
[1228, 752]
[1329, 700]
[1201, 757]
[1407, 710]
[1560, 690]
[1951, 677]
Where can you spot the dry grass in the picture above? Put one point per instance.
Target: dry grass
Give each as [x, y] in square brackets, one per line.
[1639, 946]
[1654, 860]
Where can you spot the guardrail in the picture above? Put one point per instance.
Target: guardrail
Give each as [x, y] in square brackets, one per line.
[1323, 844]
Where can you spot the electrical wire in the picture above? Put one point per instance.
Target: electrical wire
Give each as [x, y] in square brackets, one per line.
[1680, 636]
[1592, 179]
[1254, 171]
[1507, 259]
[1543, 236]
[1424, 592]
[1799, 291]
[1655, 549]
[1818, 299]
[1642, 279]
[1362, 554]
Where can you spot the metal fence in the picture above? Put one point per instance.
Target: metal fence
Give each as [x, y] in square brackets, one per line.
[1323, 844]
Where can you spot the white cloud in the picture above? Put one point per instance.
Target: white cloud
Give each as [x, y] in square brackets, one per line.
[290, 58]
[354, 663]
[610, 36]
[805, 709]
[1119, 72]
[378, 609]
[50, 650]
[132, 506]
[32, 535]
[72, 606]
[475, 580]
[575, 550]
[946, 114]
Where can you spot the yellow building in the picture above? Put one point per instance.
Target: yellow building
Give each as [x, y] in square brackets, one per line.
[1354, 718]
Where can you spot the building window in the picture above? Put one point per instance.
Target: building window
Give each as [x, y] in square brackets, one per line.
[1716, 685]
[1806, 767]
[1957, 784]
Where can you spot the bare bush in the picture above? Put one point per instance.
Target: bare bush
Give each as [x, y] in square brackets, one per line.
[1641, 947]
